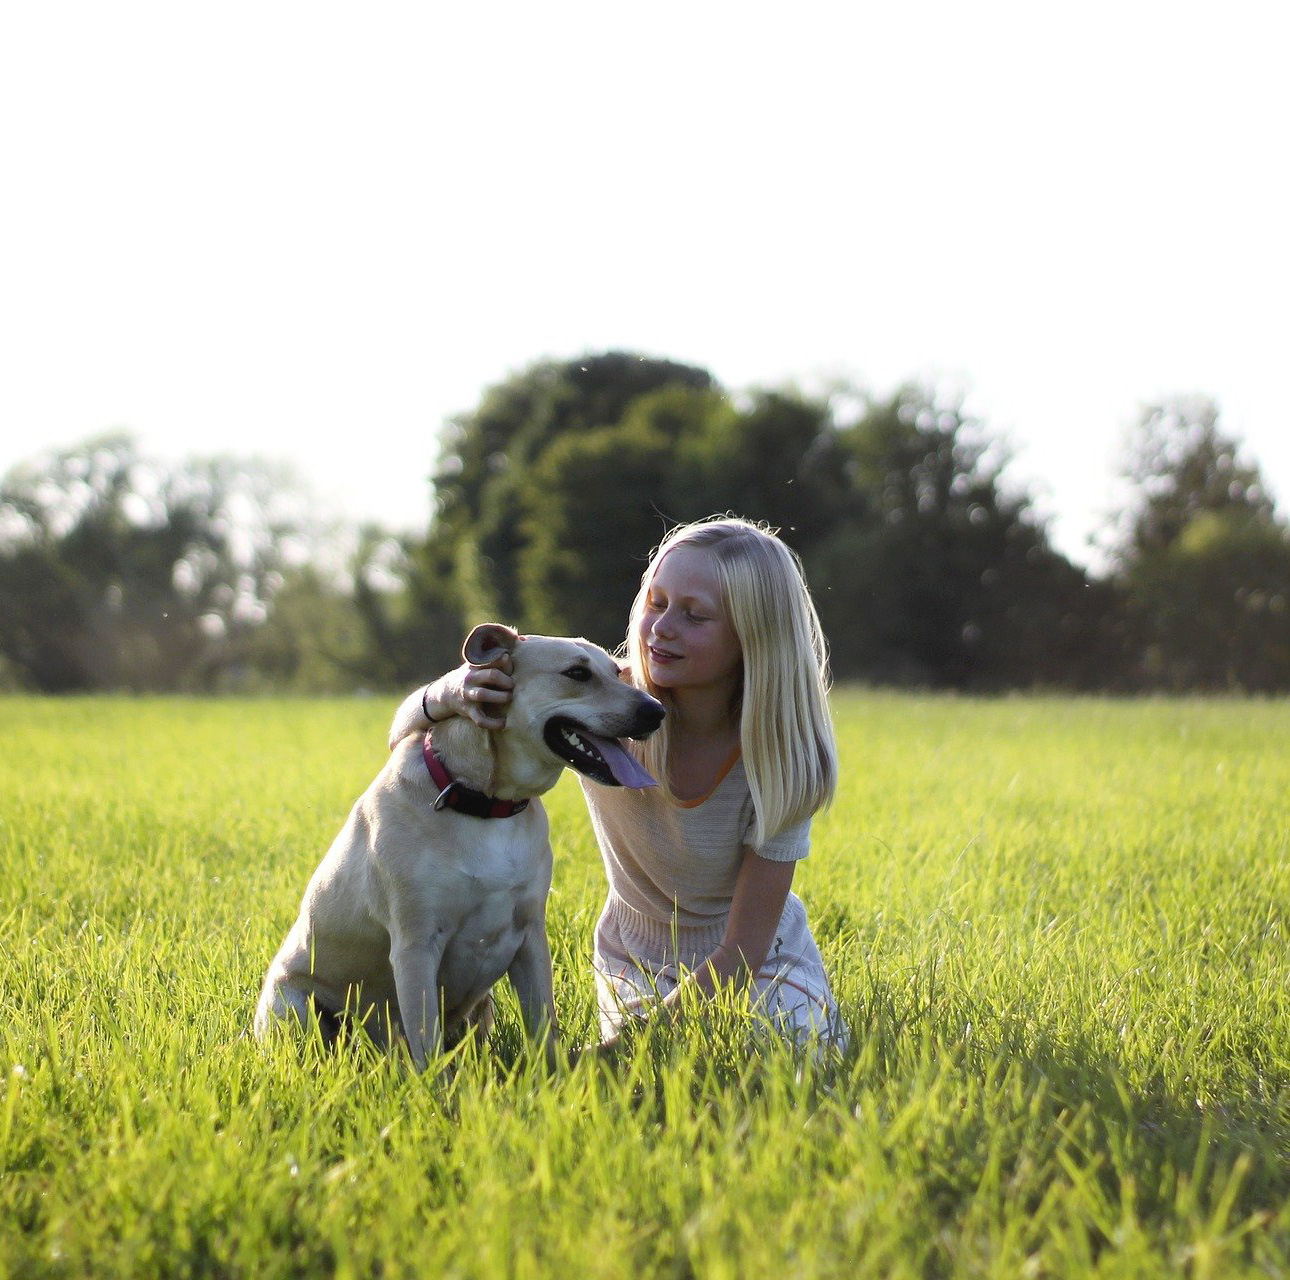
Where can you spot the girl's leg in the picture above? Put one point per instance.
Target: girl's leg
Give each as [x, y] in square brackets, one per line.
[800, 1007]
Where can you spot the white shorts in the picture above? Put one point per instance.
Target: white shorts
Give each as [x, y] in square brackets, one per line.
[639, 960]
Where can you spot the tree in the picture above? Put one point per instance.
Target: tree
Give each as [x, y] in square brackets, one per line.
[594, 517]
[944, 578]
[1181, 464]
[773, 456]
[600, 501]
[1213, 609]
[1204, 559]
[407, 596]
[927, 567]
[480, 484]
[119, 572]
[313, 641]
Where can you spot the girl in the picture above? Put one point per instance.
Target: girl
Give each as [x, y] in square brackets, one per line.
[724, 633]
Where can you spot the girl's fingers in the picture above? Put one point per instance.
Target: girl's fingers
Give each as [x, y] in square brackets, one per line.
[487, 717]
[485, 694]
[488, 707]
[489, 679]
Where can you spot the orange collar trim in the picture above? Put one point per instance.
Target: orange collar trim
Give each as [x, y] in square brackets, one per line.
[720, 778]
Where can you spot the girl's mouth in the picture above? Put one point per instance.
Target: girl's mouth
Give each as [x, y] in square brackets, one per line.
[662, 655]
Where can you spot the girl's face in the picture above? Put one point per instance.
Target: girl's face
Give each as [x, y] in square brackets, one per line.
[684, 634]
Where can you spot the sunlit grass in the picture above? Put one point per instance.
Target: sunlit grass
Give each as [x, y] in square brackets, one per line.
[1057, 928]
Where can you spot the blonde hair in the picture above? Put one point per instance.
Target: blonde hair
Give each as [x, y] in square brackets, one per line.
[785, 731]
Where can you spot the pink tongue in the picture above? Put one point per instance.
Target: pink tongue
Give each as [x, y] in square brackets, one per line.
[622, 764]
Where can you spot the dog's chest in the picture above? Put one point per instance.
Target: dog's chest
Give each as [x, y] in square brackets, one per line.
[503, 895]
[501, 887]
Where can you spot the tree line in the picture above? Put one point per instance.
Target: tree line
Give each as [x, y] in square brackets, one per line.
[930, 569]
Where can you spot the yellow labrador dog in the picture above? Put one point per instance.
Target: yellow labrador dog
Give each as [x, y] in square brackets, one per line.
[437, 884]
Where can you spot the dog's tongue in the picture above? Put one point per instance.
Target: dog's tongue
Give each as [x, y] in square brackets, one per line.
[622, 764]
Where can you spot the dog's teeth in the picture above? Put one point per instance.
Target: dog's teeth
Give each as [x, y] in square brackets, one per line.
[580, 744]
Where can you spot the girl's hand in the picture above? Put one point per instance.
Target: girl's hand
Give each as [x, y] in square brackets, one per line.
[622, 1044]
[610, 1051]
[480, 694]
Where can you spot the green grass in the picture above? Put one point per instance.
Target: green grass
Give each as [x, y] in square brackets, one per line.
[1057, 927]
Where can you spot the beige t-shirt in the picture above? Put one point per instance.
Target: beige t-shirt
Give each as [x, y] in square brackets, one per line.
[662, 858]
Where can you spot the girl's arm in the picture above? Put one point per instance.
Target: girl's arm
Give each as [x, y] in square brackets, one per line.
[761, 890]
[481, 693]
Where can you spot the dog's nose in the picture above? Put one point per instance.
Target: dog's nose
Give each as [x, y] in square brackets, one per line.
[649, 715]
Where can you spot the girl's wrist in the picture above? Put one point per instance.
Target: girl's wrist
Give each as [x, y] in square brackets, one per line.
[431, 706]
[728, 965]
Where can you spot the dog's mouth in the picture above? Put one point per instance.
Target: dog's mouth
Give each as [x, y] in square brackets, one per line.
[603, 760]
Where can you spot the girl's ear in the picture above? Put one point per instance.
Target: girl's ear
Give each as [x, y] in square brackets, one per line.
[489, 643]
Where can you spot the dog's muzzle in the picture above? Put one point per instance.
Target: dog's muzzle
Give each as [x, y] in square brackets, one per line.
[602, 759]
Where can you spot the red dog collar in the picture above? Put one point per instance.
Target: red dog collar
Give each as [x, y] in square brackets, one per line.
[454, 795]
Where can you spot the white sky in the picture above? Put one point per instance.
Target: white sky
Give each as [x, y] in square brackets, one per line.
[314, 231]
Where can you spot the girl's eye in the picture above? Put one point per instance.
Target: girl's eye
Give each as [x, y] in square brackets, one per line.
[580, 674]
[695, 617]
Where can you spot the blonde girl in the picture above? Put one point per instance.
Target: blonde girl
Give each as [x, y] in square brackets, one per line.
[723, 631]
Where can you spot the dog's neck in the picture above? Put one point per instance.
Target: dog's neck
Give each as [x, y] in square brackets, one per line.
[493, 762]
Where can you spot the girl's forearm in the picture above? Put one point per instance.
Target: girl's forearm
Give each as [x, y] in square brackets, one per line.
[417, 712]
[725, 966]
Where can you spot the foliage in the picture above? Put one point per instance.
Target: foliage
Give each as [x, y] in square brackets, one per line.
[592, 499]
[929, 567]
[411, 609]
[1056, 927]
[944, 578]
[772, 456]
[1181, 465]
[1205, 562]
[119, 572]
[1213, 607]
[600, 501]
[926, 569]
[313, 641]
[480, 483]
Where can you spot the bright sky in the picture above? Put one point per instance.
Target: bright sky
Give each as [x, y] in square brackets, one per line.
[314, 231]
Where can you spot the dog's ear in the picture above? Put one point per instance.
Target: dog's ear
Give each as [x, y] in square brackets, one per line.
[489, 643]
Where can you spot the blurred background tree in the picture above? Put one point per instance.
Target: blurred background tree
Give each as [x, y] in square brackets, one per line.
[408, 594]
[122, 572]
[929, 565]
[943, 576]
[1180, 464]
[482, 492]
[926, 567]
[599, 503]
[1203, 559]
[118, 574]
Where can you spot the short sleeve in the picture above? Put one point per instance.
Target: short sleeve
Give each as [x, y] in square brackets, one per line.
[791, 845]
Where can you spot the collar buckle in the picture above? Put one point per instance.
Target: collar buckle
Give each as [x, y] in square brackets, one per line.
[456, 795]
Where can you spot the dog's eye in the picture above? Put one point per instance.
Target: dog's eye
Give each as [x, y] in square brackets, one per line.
[581, 674]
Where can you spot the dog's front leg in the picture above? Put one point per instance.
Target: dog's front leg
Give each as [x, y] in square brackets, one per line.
[416, 982]
[530, 975]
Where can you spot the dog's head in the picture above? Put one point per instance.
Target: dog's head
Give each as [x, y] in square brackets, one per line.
[570, 698]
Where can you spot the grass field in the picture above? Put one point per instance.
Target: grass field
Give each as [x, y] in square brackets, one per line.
[1058, 929]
